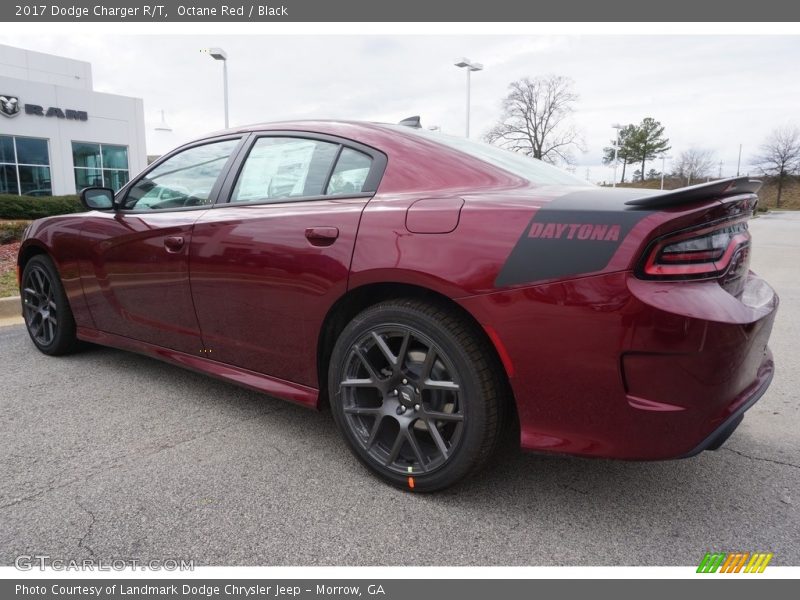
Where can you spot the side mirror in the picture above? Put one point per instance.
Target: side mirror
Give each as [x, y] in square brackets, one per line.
[98, 198]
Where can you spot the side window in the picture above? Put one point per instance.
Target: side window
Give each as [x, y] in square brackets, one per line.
[280, 168]
[350, 173]
[185, 179]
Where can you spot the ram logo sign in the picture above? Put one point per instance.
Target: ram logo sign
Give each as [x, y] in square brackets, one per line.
[9, 105]
[734, 562]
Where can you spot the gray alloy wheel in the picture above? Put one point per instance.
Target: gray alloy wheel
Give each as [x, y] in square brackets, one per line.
[401, 399]
[45, 307]
[417, 393]
[39, 305]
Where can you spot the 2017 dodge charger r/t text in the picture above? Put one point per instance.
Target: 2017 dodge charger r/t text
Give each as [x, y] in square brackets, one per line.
[429, 288]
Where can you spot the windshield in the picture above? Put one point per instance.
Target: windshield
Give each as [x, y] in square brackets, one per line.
[532, 169]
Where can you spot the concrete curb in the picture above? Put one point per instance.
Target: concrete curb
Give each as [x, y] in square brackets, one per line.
[10, 307]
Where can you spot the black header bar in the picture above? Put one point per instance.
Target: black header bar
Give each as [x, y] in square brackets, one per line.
[401, 11]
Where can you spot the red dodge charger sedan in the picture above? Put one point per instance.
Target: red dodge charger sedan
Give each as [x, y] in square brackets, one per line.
[431, 289]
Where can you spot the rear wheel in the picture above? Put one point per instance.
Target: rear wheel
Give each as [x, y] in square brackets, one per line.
[48, 317]
[416, 393]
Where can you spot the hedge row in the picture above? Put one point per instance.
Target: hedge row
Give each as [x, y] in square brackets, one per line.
[36, 207]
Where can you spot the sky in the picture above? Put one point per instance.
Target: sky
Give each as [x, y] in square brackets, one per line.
[712, 92]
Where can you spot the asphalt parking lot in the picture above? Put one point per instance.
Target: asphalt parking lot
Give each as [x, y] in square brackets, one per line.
[107, 454]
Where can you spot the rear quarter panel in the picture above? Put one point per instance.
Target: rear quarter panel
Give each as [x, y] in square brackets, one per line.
[501, 240]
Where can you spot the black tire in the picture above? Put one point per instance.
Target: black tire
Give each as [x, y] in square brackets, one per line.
[433, 386]
[47, 313]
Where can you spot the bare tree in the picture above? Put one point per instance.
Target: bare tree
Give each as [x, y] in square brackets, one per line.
[779, 156]
[694, 164]
[536, 120]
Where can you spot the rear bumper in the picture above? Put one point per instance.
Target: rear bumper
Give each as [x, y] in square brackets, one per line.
[721, 434]
[616, 367]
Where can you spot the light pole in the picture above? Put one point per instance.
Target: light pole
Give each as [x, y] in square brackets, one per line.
[220, 54]
[739, 162]
[664, 158]
[616, 126]
[465, 63]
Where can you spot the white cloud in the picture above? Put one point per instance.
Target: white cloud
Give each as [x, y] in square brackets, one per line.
[710, 91]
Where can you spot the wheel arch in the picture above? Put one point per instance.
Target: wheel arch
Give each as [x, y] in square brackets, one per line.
[362, 297]
[28, 251]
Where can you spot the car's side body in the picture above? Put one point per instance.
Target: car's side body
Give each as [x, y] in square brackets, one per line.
[601, 362]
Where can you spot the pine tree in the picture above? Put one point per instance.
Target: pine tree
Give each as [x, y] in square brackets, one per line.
[647, 142]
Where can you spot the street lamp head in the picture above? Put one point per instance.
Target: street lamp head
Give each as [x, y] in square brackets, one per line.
[468, 64]
[162, 126]
[220, 54]
[215, 53]
[617, 126]
[465, 63]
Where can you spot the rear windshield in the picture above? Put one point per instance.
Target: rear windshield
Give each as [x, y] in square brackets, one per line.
[532, 169]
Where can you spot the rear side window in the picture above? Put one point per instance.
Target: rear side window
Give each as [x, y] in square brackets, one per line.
[284, 168]
[290, 168]
[350, 173]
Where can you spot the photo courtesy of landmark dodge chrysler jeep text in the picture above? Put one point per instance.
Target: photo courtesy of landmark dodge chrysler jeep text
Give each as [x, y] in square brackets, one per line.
[431, 289]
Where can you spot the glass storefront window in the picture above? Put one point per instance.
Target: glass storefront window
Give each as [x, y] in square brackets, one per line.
[102, 165]
[24, 166]
[88, 178]
[31, 151]
[34, 181]
[8, 179]
[115, 157]
[7, 149]
[115, 179]
[86, 155]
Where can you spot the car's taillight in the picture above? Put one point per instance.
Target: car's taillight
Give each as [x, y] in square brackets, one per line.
[700, 253]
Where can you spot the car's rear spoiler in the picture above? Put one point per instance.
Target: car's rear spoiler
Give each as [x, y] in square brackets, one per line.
[694, 193]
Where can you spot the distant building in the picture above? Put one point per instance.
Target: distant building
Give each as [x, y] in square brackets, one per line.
[57, 135]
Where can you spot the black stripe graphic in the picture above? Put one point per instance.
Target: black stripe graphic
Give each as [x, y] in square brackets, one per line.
[566, 249]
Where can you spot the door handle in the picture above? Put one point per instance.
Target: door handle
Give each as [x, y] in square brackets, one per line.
[173, 243]
[322, 236]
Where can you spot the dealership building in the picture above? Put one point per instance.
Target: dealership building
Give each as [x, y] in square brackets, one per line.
[57, 135]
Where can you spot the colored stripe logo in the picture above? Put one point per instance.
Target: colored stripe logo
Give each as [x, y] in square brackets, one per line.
[734, 562]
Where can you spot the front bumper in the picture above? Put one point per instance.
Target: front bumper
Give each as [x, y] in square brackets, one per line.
[617, 367]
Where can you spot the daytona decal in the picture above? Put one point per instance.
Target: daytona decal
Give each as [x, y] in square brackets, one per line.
[562, 242]
[576, 231]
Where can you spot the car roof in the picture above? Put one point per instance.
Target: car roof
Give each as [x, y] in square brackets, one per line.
[426, 157]
[342, 128]
[384, 137]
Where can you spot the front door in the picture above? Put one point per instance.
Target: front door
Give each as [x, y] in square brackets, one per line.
[137, 284]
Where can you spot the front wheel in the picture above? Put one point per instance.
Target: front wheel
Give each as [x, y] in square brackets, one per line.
[417, 394]
[48, 317]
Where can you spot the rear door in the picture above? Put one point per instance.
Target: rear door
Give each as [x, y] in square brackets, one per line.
[267, 265]
[137, 279]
